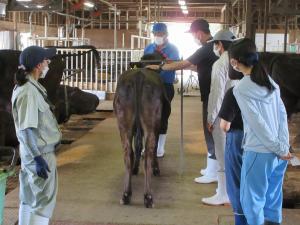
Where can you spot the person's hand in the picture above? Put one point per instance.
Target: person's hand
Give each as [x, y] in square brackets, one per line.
[288, 156]
[41, 167]
[210, 127]
[153, 67]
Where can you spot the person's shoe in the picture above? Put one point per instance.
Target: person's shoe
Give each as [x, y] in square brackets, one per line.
[24, 214]
[212, 167]
[240, 219]
[38, 220]
[221, 197]
[271, 223]
[203, 171]
[207, 179]
[161, 145]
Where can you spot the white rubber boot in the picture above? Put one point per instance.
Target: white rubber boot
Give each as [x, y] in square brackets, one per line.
[221, 197]
[24, 214]
[203, 171]
[161, 145]
[210, 174]
[38, 220]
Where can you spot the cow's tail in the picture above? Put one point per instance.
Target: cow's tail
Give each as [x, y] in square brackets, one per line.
[138, 137]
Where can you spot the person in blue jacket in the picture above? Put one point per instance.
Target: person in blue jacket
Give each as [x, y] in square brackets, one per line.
[170, 53]
[266, 137]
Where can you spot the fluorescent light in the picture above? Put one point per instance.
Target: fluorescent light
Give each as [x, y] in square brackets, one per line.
[23, 0]
[39, 6]
[89, 4]
[185, 12]
[181, 2]
[183, 7]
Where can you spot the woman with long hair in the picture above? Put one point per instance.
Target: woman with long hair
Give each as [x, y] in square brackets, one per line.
[38, 133]
[266, 137]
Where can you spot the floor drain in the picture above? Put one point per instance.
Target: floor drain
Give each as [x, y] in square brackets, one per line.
[104, 110]
[66, 141]
[78, 128]
[98, 119]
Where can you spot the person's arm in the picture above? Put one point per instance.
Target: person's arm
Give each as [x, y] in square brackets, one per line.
[192, 67]
[171, 66]
[216, 95]
[283, 126]
[225, 125]
[29, 138]
[258, 125]
[228, 111]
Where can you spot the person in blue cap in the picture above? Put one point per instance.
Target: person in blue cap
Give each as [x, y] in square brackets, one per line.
[203, 59]
[38, 133]
[170, 53]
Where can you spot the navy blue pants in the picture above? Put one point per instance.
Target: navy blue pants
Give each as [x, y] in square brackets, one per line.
[233, 167]
[208, 135]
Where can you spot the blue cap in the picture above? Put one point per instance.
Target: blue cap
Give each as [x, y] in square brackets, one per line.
[160, 27]
[31, 56]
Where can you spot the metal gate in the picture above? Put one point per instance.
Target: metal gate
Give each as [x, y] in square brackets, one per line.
[96, 74]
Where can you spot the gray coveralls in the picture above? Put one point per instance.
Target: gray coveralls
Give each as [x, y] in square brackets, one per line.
[30, 110]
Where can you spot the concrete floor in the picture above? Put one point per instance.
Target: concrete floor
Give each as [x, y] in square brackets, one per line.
[91, 179]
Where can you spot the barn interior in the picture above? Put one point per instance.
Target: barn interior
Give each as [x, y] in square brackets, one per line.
[102, 38]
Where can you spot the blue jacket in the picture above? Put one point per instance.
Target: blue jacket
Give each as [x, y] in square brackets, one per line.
[171, 52]
[264, 118]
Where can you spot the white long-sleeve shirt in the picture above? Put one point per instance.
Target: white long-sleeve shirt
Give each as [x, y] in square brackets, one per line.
[220, 83]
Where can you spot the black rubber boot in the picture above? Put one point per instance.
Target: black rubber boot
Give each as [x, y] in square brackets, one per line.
[271, 223]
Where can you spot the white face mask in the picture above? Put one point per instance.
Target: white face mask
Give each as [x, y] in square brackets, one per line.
[216, 51]
[44, 72]
[158, 40]
[236, 68]
[197, 41]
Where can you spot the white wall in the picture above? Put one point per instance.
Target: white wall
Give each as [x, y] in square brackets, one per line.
[275, 42]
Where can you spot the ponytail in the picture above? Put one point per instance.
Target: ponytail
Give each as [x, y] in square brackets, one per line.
[244, 51]
[259, 76]
[20, 76]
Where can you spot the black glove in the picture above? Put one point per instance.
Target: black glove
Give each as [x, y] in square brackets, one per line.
[41, 167]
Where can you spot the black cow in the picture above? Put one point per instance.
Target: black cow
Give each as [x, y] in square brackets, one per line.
[139, 100]
[79, 102]
[285, 70]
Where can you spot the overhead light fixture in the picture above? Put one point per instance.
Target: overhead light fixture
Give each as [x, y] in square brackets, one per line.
[181, 2]
[183, 7]
[185, 12]
[24, 0]
[89, 4]
[39, 6]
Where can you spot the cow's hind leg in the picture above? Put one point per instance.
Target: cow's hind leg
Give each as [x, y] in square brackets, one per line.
[138, 145]
[150, 146]
[125, 121]
[128, 160]
[155, 165]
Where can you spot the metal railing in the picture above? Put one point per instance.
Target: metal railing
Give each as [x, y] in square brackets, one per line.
[88, 72]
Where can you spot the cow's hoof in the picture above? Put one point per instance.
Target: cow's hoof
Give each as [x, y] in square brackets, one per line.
[135, 171]
[156, 171]
[148, 201]
[126, 198]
